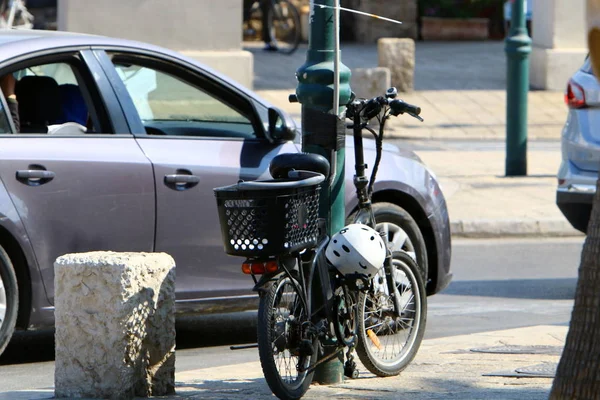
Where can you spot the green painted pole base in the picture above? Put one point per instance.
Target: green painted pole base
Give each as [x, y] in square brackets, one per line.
[330, 372]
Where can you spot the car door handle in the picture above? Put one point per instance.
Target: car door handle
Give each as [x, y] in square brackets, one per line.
[181, 180]
[34, 177]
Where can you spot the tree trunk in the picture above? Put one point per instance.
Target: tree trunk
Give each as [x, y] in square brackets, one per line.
[578, 374]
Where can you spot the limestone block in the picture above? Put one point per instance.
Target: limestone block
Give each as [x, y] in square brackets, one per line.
[399, 56]
[370, 82]
[115, 325]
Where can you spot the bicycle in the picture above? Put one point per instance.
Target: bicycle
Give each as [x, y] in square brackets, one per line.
[283, 21]
[317, 293]
[15, 10]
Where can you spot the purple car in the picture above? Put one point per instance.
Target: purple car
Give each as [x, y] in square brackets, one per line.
[119, 147]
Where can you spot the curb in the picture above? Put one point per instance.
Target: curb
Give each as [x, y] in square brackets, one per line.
[513, 228]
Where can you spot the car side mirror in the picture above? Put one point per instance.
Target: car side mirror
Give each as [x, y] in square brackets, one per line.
[282, 127]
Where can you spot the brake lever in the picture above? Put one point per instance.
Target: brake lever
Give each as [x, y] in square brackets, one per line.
[416, 116]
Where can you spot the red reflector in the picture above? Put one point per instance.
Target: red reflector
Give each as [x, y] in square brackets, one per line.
[561, 181]
[575, 95]
[258, 268]
[247, 268]
[271, 266]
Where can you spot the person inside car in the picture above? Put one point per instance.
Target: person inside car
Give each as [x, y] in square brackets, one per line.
[7, 84]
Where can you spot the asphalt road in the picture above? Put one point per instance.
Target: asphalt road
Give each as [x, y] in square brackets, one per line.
[498, 284]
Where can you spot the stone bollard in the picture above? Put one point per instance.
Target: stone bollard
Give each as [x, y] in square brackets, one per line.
[370, 82]
[115, 325]
[399, 56]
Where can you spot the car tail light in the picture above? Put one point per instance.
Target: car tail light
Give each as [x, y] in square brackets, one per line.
[259, 267]
[575, 95]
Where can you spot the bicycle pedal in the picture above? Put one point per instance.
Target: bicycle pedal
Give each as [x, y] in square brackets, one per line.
[350, 370]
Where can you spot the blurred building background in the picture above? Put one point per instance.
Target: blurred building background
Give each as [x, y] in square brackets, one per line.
[211, 31]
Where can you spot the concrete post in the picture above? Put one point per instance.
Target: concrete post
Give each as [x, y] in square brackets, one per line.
[399, 56]
[115, 325]
[559, 42]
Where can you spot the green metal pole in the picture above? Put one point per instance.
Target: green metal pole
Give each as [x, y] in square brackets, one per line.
[323, 132]
[517, 48]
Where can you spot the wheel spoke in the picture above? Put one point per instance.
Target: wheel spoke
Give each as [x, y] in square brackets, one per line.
[399, 332]
[398, 239]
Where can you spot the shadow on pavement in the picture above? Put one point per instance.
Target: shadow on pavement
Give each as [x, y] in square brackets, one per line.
[542, 289]
[192, 332]
[365, 388]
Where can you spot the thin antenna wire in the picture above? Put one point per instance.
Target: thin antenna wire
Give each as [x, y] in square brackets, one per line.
[336, 61]
[359, 12]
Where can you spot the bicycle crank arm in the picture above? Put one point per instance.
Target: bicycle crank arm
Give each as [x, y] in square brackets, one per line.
[325, 359]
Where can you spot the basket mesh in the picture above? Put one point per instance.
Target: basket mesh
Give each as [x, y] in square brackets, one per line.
[278, 224]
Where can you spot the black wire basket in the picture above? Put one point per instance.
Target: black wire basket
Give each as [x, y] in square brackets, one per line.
[265, 221]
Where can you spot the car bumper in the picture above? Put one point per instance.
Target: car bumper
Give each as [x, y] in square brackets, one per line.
[575, 202]
[440, 223]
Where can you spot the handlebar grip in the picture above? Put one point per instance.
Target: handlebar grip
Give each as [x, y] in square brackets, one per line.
[400, 107]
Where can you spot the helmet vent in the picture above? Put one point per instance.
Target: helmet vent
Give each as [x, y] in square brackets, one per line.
[372, 237]
[346, 249]
[336, 253]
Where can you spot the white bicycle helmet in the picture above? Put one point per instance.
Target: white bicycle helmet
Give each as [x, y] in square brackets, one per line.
[356, 250]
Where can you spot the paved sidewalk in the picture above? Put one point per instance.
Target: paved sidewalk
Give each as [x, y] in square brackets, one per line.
[443, 368]
[461, 90]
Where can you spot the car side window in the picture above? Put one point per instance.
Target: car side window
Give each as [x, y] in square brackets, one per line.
[52, 98]
[169, 105]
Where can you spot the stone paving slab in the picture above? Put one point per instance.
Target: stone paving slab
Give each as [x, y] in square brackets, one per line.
[444, 368]
[460, 114]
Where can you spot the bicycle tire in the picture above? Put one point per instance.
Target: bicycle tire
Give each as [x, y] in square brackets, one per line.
[373, 314]
[280, 317]
[284, 22]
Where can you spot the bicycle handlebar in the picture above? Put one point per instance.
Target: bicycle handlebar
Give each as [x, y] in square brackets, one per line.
[400, 107]
[370, 108]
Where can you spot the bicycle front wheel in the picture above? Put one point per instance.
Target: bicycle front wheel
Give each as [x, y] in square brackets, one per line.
[282, 346]
[284, 22]
[388, 341]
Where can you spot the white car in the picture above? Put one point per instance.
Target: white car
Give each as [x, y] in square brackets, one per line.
[580, 145]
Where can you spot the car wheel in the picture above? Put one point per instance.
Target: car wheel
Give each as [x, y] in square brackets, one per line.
[9, 299]
[402, 231]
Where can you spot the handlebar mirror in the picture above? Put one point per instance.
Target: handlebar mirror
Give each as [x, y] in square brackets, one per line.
[282, 127]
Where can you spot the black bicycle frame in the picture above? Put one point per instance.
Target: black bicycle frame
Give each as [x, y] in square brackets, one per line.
[364, 201]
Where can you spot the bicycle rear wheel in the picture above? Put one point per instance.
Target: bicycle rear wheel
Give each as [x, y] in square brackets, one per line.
[281, 343]
[387, 342]
[284, 22]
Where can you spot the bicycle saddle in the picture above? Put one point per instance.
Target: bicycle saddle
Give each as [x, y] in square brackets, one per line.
[283, 163]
